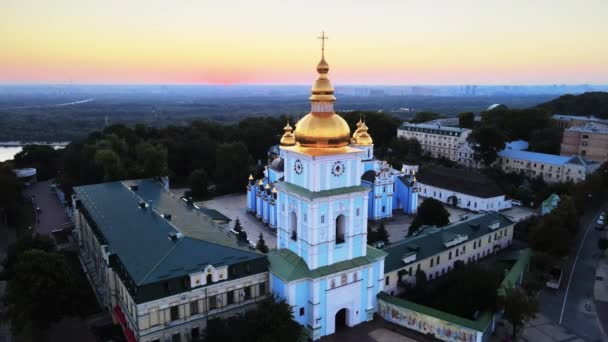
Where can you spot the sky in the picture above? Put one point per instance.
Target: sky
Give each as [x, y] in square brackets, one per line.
[397, 42]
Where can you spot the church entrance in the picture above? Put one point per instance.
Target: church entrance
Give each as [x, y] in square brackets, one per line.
[340, 320]
[453, 200]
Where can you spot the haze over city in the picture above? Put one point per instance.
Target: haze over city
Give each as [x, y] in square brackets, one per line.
[272, 42]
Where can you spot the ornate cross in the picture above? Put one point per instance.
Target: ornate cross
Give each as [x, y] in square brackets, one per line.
[323, 39]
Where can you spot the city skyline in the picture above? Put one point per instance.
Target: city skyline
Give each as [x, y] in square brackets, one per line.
[274, 42]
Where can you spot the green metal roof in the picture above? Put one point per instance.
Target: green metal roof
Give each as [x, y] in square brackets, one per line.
[288, 266]
[431, 241]
[480, 324]
[311, 195]
[523, 259]
[140, 237]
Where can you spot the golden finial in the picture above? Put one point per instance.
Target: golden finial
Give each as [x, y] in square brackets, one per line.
[288, 138]
[250, 177]
[260, 182]
[267, 186]
[363, 138]
[274, 190]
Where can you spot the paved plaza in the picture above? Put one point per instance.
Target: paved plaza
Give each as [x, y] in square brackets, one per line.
[52, 214]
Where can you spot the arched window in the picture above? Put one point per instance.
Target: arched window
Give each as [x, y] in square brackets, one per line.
[293, 226]
[209, 278]
[340, 229]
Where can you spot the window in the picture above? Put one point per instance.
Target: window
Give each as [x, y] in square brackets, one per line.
[293, 225]
[247, 293]
[386, 280]
[450, 256]
[301, 311]
[358, 211]
[153, 315]
[457, 250]
[410, 271]
[418, 267]
[464, 249]
[230, 297]
[432, 262]
[174, 313]
[583, 153]
[438, 259]
[176, 337]
[340, 229]
[322, 218]
[262, 289]
[209, 278]
[212, 302]
[383, 208]
[194, 308]
[489, 239]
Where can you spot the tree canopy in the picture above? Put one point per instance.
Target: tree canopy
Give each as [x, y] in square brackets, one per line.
[519, 308]
[431, 212]
[466, 120]
[589, 103]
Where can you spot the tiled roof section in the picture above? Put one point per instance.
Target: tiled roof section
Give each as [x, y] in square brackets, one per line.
[433, 129]
[289, 266]
[311, 195]
[459, 180]
[535, 157]
[140, 237]
[431, 240]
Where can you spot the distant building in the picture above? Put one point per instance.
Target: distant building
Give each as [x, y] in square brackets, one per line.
[438, 141]
[589, 140]
[497, 106]
[436, 250]
[567, 121]
[462, 188]
[552, 168]
[549, 204]
[161, 266]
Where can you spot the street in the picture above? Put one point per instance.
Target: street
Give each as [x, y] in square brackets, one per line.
[573, 303]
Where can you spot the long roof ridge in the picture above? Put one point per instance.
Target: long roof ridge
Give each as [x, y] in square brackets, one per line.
[161, 260]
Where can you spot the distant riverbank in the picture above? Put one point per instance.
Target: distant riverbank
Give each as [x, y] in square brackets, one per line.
[8, 149]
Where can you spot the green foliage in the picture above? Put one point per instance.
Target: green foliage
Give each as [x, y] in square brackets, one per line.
[421, 117]
[23, 244]
[546, 140]
[519, 308]
[590, 103]
[377, 234]
[232, 166]
[237, 226]
[404, 150]
[466, 120]
[198, 183]
[261, 244]
[383, 234]
[487, 142]
[44, 158]
[41, 290]
[463, 291]
[431, 212]
[554, 232]
[602, 244]
[10, 195]
[242, 236]
[271, 321]
[382, 128]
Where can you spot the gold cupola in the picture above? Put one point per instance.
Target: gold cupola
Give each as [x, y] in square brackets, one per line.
[357, 131]
[288, 138]
[363, 138]
[322, 128]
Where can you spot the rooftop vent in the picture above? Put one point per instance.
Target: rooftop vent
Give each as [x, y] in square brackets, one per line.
[167, 216]
[475, 225]
[134, 187]
[494, 225]
[175, 236]
[143, 205]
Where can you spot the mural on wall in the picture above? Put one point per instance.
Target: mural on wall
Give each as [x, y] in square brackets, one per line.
[426, 324]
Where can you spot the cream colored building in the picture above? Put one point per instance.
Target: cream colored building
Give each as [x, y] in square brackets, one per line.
[438, 141]
[435, 250]
[159, 265]
[552, 168]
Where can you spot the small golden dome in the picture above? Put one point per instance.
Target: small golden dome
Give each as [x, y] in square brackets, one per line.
[267, 186]
[274, 190]
[322, 67]
[363, 138]
[288, 138]
[260, 182]
[250, 177]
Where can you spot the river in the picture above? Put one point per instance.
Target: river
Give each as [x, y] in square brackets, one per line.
[8, 152]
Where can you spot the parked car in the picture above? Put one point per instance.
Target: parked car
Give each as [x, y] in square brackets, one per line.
[555, 277]
[516, 203]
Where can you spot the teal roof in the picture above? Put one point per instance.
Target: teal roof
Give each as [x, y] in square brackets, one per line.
[431, 241]
[549, 201]
[288, 266]
[523, 259]
[214, 214]
[140, 237]
[311, 195]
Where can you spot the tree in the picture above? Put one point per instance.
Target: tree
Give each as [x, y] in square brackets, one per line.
[45, 159]
[40, 291]
[237, 226]
[404, 150]
[110, 162]
[431, 212]
[242, 236]
[232, 166]
[546, 140]
[151, 160]
[23, 244]
[272, 321]
[261, 244]
[519, 308]
[466, 120]
[421, 117]
[10, 195]
[487, 142]
[383, 234]
[198, 183]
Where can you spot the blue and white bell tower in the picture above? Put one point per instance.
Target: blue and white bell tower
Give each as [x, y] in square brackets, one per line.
[323, 266]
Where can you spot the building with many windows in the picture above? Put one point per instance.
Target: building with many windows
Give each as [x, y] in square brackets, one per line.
[589, 140]
[438, 141]
[160, 265]
[435, 250]
[567, 121]
[552, 168]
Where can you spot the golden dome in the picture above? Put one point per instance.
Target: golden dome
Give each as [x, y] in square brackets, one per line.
[363, 138]
[288, 138]
[250, 177]
[322, 130]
